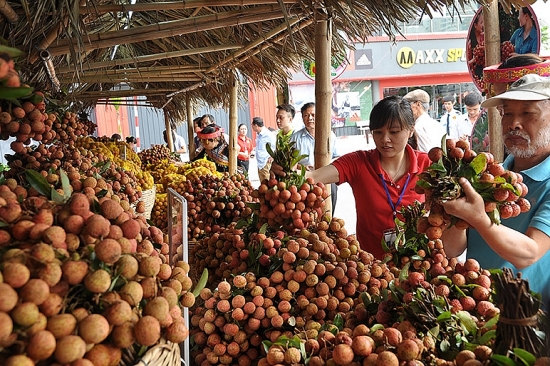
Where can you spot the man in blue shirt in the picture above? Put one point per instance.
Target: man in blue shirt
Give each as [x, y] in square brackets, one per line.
[525, 38]
[521, 243]
[263, 137]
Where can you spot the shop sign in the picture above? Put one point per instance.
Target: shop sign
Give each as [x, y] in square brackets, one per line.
[363, 59]
[407, 57]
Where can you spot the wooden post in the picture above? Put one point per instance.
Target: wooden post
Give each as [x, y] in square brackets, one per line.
[233, 120]
[190, 127]
[323, 97]
[168, 129]
[492, 57]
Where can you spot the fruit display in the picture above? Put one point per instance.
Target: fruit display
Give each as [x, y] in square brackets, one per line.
[82, 278]
[502, 190]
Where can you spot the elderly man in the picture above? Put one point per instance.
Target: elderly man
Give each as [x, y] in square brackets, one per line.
[523, 242]
[428, 131]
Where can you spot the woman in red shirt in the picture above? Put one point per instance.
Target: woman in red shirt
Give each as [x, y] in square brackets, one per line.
[245, 147]
[382, 179]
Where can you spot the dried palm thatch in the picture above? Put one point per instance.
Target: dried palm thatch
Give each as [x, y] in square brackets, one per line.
[85, 51]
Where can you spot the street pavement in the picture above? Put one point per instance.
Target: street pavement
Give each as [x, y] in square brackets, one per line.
[345, 205]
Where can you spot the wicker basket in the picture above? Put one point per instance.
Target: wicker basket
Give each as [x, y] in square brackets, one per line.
[163, 354]
[148, 198]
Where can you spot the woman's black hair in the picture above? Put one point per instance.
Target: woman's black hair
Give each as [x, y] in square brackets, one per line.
[242, 124]
[520, 60]
[131, 140]
[392, 111]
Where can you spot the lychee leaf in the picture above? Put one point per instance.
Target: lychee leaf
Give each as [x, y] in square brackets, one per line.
[502, 360]
[38, 182]
[201, 284]
[267, 344]
[444, 316]
[526, 357]
[479, 164]
[57, 197]
[65, 184]
[487, 337]
[339, 321]
[467, 321]
[8, 92]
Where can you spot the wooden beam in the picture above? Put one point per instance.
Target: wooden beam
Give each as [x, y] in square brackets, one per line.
[7, 11]
[119, 93]
[130, 79]
[255, 43]
[148, 58]
[170, 29]
[492, 57]
[233, 121]
[174, 5]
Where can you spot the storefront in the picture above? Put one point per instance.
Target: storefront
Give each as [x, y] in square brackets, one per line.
[434, 62]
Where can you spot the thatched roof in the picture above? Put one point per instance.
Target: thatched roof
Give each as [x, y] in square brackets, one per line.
[170, 50]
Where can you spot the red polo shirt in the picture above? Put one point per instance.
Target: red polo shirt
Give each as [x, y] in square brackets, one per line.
[362, 169]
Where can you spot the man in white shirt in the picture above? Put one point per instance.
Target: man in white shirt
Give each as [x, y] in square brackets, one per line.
[428, 131]
[449, 119]
[466, 121]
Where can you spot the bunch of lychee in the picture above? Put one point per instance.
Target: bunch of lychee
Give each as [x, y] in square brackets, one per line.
[290, 207]
[502, 190]
[83, 280]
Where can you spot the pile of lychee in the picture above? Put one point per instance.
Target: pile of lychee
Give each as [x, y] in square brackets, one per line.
[84, 281]
[292, 207]
[502, 190]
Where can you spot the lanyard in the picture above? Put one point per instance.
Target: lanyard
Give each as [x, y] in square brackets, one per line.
[393, 207]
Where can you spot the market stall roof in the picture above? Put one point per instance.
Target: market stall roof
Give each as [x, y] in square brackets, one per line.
[84, 51]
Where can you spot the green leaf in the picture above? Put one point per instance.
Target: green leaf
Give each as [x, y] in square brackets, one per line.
[105, 167]
[467, 321]
[404, 273]
[266, 345]
[12, 52]
[526, 357]
[201, 284]
[479, 163]
[503, 360]
[339, 321]
[65, 184]
[7, 92]
[444, 316]
[38, 182]
[57, 197]
[487, 337]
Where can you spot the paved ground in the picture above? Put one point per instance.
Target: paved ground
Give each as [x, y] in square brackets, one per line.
[345, 206]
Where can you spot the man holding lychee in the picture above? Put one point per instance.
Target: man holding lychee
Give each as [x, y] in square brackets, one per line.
[523, 242]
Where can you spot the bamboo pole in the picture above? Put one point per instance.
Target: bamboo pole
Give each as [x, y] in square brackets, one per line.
[120, 93]
[174, 5]
[50, 37]
[7, 11]
[323, 95]
[129, 79]
[171, 29]
[256, 43]
[190, 127]
[149, 58]
[168, 129]
[160, 70]
[492, 57]
[233, 120]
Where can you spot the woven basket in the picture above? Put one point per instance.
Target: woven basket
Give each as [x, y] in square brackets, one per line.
[148, 198]
[163, 354]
